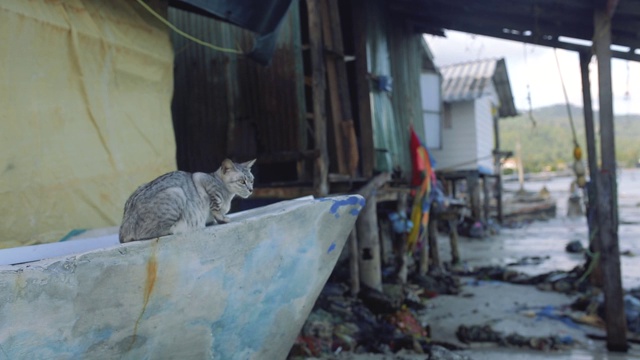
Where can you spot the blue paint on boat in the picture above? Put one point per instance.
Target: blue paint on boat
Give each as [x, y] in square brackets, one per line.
[331, 247]
[290, 281]
[350, 201]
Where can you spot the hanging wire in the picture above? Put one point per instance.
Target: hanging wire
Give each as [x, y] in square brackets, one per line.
[526, 65]
[183, 34]
[566, 99]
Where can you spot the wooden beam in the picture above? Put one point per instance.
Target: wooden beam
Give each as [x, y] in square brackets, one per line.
[536, 40]
[321, 164]
[615, 319]
[592, 187]
[332, 80]
[340, 102]
[367, 151]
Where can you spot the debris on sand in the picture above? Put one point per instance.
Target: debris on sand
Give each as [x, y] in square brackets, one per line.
[484, 333]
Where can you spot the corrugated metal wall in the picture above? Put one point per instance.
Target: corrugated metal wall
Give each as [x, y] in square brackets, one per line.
[393, 51]
[379, 64]
[227, 105]
[406, 68]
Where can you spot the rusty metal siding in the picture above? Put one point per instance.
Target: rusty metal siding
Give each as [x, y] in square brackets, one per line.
[227, 105]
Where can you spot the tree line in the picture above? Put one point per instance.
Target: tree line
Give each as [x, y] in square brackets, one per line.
[546, 139]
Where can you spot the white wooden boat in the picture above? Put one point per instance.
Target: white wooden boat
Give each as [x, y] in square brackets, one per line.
[236, 291]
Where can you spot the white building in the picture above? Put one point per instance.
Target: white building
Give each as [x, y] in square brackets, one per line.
[475, 95]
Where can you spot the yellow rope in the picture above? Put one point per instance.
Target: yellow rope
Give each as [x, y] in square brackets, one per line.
[182, 33]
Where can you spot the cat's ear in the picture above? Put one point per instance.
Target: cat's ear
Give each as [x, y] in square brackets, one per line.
[227, 165]
[249, 163]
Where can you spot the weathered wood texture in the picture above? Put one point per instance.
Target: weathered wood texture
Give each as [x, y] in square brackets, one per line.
[321, 164]
[339, 100]
[362, 89]
[368, 238]
[354, 268]
[400, 241]
[607, 192]
[498, 165]
[592, 159]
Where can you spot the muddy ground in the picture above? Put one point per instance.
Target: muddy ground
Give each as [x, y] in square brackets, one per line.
[525, 309]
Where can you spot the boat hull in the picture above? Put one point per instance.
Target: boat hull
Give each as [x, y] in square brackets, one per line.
[236, 291]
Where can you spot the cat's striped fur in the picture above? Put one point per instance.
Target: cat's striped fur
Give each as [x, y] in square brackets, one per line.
[180, 201]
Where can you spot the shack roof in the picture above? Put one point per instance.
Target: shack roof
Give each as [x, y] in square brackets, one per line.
[471, 80]
[566, 24]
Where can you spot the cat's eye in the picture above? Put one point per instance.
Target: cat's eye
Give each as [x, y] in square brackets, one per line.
[243, 182]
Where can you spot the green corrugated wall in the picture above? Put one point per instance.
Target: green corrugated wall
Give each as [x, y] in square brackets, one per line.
[393, 50]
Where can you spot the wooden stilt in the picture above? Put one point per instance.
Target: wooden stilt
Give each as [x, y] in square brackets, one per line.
[607, 192]
[453, 239]
[497, 156]
[486, 200]
[368, 239]
[401, 242]
[354, 269]
[592, 186]
[434, 255]
[474, 196]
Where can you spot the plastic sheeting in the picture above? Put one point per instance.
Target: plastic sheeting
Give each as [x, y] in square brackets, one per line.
[85, 93]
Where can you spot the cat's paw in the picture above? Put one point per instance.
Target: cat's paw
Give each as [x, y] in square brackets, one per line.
[223, 220]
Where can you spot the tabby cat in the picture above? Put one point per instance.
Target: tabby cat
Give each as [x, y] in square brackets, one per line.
[180, 201]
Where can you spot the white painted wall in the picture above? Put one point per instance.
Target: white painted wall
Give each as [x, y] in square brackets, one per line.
[459, 143]
[484, 133]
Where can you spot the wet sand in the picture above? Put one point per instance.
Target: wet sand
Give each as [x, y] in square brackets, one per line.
[511, 308]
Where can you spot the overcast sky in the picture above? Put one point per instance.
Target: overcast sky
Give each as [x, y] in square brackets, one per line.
[535, 67]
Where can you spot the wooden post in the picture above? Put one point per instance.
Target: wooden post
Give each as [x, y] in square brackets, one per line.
[400, 241]
[367, 151]
[592, 186]
[607, 191]
[474, 196]
[497, 155]
[354, 269]
[434, 255]
[321, 164]
[340, 102]
[486, 200]
[453, 239]
[368, 239]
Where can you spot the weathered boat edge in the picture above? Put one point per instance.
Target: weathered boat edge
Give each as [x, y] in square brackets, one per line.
[238, 291]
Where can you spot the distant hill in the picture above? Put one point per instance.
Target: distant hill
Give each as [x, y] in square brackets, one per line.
[547, 143]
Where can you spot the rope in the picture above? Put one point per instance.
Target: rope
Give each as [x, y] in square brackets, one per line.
[566, 100]
[183, 34]
[595, 258]
[526, 65]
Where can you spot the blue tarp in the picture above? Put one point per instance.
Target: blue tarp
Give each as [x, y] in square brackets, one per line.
[263, 17]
